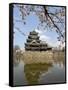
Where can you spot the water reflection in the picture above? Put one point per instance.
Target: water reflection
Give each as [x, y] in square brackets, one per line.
[39, 73]
[33, 71]
[16, 62]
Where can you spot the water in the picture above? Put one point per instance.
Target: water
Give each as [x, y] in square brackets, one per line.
[25, 74]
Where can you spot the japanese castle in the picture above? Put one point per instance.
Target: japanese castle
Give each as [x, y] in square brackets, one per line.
[33, 43]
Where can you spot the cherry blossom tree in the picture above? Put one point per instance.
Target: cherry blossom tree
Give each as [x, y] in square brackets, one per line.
[50, 18]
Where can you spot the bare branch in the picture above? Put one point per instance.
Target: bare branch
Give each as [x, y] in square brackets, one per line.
[46, 13]
[19, 31]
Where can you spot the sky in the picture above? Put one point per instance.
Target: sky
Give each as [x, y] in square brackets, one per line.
[32, 22]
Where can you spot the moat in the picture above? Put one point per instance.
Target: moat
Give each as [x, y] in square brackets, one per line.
[31, 74]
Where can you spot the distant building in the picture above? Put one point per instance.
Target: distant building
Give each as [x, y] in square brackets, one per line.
[33, 43]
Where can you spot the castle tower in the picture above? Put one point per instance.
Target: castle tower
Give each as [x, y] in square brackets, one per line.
[33, 43]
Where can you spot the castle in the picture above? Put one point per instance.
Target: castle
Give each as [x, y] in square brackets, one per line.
[33, 43]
